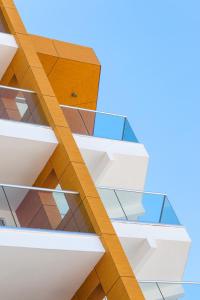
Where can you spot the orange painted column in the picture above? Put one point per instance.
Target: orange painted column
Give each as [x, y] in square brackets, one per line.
[88, 287]
[113, 271]
[98, 294]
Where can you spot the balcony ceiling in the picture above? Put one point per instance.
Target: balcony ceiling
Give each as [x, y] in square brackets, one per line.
[50, 265]
[8, 48]
[24, 151]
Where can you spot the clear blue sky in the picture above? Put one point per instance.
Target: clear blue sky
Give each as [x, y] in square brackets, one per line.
[150, 56]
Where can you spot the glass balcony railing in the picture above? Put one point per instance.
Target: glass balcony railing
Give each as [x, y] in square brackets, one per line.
[98, 124]
[38, 208]
[170, 290]
[137, 206]
[20, 105]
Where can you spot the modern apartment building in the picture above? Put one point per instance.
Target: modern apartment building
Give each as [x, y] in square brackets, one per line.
[75, 221]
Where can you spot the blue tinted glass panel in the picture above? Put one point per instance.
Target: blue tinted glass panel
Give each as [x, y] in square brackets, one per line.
[172, 291]
[108, 126]
[112, 205]
[141, 207]
[168, 214]
[98, 124]
[152, 204]
[132, 205]
[180, 291]
[128, 134]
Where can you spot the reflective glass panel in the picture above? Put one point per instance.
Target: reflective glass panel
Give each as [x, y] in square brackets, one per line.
[170, 291]
[128, 133]
[168, 214]
[98, 124]
[185, 291]
[43, 209]
[109, 126]
[112, 204]
[138, 206]
[141, 207]
[151, 291]
[20, 105]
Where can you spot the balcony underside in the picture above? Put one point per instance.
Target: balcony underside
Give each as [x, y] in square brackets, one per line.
[8, 48]
[24, 151]
[155, 252]
[49, 265]
[112, 163]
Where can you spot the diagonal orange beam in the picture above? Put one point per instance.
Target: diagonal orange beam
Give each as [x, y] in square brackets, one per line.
[113, 271]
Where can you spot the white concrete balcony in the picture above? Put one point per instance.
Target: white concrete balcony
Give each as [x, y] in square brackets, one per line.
[8, 49]
[45, 254]
[26, 141]
[153, 239]
[109, 148]
[170, 290]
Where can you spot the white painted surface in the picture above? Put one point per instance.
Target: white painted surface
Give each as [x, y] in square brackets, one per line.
[48, 265]
[8, 48]
[156, 252]
[112, 163]
[24, 151]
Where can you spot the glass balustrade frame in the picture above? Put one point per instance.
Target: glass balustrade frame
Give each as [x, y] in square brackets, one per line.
[173, 290]
[41, 208]
[138, 206]
[99, 124]
[21, 105]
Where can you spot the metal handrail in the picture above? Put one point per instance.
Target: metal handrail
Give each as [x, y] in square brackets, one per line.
[130, 190]
[170, 282]
[62, 105]
[16, 89]
[38, 188]
[94, 111]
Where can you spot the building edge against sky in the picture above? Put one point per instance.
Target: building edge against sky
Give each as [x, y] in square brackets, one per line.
[101, 235]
